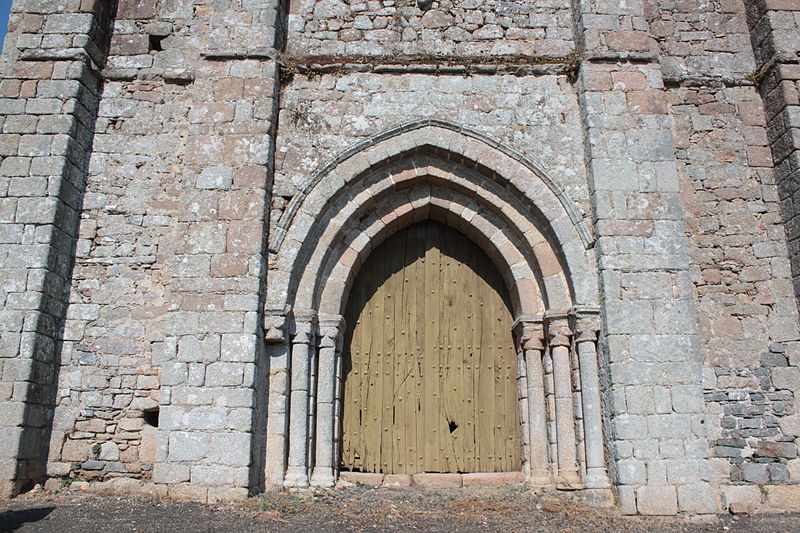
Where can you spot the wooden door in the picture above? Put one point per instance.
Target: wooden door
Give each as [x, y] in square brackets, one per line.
[430, 366]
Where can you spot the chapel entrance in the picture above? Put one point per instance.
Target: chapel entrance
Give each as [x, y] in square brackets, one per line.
[430, 365]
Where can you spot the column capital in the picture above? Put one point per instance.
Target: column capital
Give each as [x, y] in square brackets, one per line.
[330, 328]
[303, 326]
[587, 323]
[558, 331]
[275, 319]
[529, 332]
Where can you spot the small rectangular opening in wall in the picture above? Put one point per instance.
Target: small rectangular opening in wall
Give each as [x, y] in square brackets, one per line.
[155, 42]
[151, 417]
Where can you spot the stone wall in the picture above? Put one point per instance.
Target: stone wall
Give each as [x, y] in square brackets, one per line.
[147, 163]
[322, 115]
[50, 92]
[457, 28]
[163, 316]
[773, 31]
[747, 318]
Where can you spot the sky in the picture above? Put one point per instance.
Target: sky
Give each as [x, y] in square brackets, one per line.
[5, 8]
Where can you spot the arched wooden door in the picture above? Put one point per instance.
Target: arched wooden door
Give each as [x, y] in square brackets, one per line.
[430, 366]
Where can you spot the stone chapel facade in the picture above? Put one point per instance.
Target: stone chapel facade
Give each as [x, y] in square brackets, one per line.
[189, 191]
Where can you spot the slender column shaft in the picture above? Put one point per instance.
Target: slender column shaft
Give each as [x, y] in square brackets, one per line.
[277, 426]
[522, 395]
[337, 407]
[596, 474]
[550, 407]
[537, 418]
[565, 415]
[297, 470]
[326, 384]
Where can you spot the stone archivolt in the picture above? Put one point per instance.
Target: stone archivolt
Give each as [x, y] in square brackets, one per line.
[362, 201]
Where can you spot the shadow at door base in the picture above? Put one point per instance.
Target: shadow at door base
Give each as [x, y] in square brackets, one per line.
[13, 520]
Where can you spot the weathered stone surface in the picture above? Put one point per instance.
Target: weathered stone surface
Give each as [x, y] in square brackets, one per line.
[396, 480]
[437, 481]
[783, 497]
[491, 478]
[660, 191]
[363, 478]
[657, 500]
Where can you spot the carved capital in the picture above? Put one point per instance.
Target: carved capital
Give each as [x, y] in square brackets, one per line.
[529, 332]
[330, 329]
[275, 324]
[533, 338]
[587, 323]
[303, 327]
[558, 331]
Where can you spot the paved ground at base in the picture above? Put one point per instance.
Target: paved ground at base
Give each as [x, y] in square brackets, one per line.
[356, 509]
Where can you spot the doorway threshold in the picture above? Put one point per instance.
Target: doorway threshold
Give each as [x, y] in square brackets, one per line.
[432, 480]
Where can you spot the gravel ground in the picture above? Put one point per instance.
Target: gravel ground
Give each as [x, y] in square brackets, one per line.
[355, 509]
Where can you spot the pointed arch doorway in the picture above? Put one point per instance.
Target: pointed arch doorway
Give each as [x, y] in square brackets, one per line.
[429, 360]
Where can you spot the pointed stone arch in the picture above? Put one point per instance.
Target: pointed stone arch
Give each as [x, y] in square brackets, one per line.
[497, 198]
[354, 171]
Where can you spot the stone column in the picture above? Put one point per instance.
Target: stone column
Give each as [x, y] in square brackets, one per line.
[550, 409]
[337, 401]
[559, 340]
[596, 473]
[531, 337]
[323, 473]
[278, 352]
[297, 469]
[522, 401]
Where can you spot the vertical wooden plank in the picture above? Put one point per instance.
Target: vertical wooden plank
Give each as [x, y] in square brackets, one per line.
[373, 404]
[444, 340]
[453, 278]
[406, 424]
[500, 462]
[350, 412]
[416, 342]
[493, 409]
[366, 369]
[442, 432]
[454, 313]
[423, 335]
[400, 359]
[472, 356]
[356, 387]
[453, 364]
[430, 376]
[466, 435]
[387, 361]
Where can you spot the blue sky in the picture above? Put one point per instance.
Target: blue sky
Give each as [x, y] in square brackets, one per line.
[5, 7]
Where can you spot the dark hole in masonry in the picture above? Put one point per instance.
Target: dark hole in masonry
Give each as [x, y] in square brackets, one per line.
[151, 417]
[452, 426]
[155, 42]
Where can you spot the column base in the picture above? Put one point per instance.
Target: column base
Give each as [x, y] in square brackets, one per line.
[540, 477]
[569, 481]
[296, 476]
[597, 478]
[322, 476]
